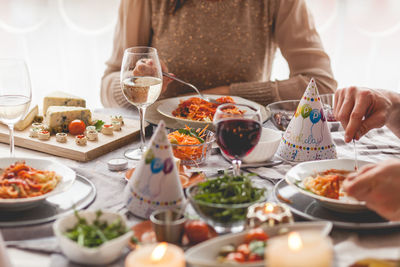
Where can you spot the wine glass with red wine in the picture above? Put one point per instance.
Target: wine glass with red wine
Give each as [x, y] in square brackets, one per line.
[238, 131]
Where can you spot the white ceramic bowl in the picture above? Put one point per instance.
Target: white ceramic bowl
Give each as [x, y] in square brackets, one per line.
[104, 254]
[266, 147]
[205, 254]
[67, 174]
[298, 173]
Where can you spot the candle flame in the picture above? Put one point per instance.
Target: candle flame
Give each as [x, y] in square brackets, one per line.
[159, 252]
[294, 241]
[269, 208]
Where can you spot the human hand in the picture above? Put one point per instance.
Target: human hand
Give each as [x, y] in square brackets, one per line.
[360, 110]
[379, 186]
[145, 67]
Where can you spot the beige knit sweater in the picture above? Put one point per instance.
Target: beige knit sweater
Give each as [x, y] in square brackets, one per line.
[223, 42]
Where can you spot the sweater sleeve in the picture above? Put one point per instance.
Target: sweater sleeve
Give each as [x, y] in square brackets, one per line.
[133, 29]
[301, 46]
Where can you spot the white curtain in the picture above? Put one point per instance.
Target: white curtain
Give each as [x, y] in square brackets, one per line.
[66, 42]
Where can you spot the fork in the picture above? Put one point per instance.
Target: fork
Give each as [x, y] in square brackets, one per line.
[211, 100]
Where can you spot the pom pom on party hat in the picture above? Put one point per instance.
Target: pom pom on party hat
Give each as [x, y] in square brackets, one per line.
[307, 136]
[155, 184]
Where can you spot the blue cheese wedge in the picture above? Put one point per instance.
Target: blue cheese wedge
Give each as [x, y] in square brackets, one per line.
[62, 99]
[58, 117]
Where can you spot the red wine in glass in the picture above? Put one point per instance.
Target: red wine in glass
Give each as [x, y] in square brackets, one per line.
[238, 137]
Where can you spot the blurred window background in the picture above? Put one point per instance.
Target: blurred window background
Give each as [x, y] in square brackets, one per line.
[66, 42]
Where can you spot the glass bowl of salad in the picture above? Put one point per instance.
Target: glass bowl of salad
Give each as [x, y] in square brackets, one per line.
[191, 146]
[223, 202]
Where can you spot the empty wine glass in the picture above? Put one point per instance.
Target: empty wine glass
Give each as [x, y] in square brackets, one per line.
[238, 131]
[15, 94]
[141, 83]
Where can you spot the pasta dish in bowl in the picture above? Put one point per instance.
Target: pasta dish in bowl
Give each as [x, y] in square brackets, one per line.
[26, 182]
[322, 180]
[197, 113]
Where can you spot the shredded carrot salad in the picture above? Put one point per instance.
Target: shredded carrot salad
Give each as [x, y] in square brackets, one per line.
[327, 183]
[198, 109]
[22, 181]
[189, 143]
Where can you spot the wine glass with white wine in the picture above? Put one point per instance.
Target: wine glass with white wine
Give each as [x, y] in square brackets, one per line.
[141, 84]
[15, 94]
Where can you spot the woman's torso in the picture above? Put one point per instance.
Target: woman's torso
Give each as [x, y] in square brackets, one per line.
[214, 43]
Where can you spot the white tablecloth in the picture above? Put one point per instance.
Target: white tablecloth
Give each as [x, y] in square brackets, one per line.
[349, 245]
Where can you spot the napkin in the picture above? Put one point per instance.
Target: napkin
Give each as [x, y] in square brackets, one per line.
[155, 184]
[307, 136]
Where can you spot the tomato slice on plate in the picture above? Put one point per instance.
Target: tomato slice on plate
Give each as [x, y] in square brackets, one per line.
[256, 234]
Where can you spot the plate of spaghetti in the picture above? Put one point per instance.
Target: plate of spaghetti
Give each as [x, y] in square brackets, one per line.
[196, 112]
[322, 180]
[26, 182]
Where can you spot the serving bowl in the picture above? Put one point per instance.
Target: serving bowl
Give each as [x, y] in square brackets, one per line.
[105, 253]
[282, 112]
[194, 155]
[224, 218]
[68, 177]
[266, 147]
[296, 175]
[205, 254]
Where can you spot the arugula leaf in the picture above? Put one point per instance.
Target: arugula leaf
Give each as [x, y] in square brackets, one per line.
[99, 124]
[227, 190]
[95, 234]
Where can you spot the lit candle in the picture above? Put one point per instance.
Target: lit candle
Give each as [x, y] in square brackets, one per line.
[269, 214]
[156, 255]
[299, 249]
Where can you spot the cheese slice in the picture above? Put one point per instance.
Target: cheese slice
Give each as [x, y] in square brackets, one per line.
[25, 122]
[59, 98]
[58, 117]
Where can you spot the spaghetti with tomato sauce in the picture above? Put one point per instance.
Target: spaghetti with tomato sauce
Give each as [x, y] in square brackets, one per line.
[22, 181]
[198, 109]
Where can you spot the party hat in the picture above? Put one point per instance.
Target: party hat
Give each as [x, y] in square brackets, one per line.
[155, 184]
[307, 136]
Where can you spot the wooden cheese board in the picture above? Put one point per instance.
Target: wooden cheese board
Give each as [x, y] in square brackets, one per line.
[70, 150]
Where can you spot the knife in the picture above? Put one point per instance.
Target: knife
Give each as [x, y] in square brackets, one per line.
[243, 166]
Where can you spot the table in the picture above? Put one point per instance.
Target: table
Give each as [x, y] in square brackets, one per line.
[35, 246]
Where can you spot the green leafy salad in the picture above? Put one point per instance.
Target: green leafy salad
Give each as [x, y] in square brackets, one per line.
[97, 233]
[229, 190]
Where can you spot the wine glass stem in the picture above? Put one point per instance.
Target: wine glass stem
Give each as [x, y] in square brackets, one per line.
[236, 166]
[11, 130]
[142, 111]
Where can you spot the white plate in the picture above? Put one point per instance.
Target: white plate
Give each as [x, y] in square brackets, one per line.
[166, 107]
[68, 178]
[297, 174]
[205, 253]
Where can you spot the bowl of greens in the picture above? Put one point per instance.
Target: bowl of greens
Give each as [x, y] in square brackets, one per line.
[92, 237]
[223, 201]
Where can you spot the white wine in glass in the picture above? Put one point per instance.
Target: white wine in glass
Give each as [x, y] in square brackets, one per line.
[141, 84]
[15, 94]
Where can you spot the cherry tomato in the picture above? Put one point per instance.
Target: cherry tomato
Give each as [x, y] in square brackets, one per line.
[235, 256]
[254, 257]
[76, 127]
[255, 234]
[196, 231]
[244, 249]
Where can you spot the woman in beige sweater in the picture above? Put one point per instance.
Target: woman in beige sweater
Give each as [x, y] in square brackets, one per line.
[222, 46]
